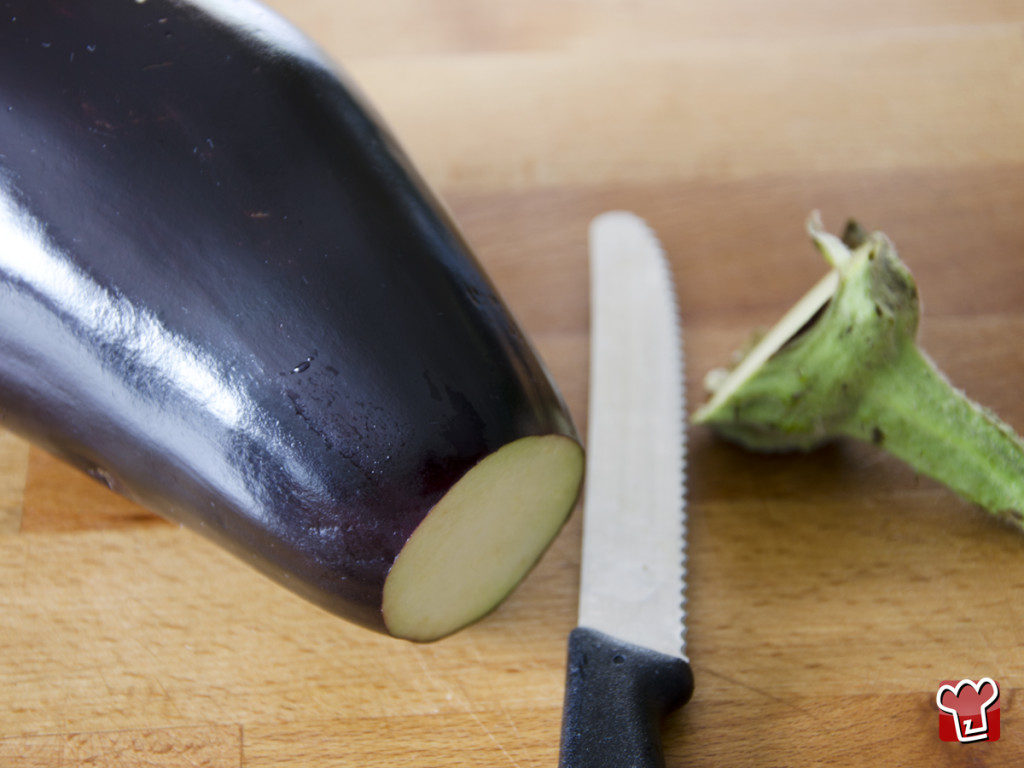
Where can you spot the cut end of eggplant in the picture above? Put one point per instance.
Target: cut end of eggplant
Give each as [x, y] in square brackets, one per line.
[482, 537]
[724, 384]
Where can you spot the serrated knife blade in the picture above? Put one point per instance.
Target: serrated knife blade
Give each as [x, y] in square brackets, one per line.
[627, 665]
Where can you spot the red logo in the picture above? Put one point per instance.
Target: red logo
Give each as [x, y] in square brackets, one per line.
[969, 710]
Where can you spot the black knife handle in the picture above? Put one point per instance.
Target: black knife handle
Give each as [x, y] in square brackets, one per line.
[616, 696]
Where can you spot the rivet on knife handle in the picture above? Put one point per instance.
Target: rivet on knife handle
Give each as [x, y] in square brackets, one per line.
[627, 666]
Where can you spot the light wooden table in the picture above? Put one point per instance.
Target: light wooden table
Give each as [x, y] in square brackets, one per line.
[829, 593]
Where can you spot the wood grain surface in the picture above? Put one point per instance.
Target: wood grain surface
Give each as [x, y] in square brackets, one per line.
[829, 593]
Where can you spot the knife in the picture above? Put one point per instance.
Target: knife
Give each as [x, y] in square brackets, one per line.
[627, 663]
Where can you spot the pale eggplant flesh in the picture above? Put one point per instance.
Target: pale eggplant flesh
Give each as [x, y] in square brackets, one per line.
[225, 292]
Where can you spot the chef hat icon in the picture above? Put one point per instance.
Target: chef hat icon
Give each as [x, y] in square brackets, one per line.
[969, 702]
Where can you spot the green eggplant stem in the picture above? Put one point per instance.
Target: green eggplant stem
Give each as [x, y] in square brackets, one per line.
[844, 362]
[913, 412]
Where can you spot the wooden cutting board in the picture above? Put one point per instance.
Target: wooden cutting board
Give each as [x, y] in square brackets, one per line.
[829, 594]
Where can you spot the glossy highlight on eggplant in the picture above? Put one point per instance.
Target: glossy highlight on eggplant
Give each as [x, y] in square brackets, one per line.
[225, 292]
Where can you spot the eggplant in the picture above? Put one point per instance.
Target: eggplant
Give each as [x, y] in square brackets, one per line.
[226, 293]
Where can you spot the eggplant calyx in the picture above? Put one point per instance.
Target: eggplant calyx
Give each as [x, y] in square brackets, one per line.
[844, 362]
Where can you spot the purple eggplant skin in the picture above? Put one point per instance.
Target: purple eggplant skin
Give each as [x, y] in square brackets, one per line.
[225, 292]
